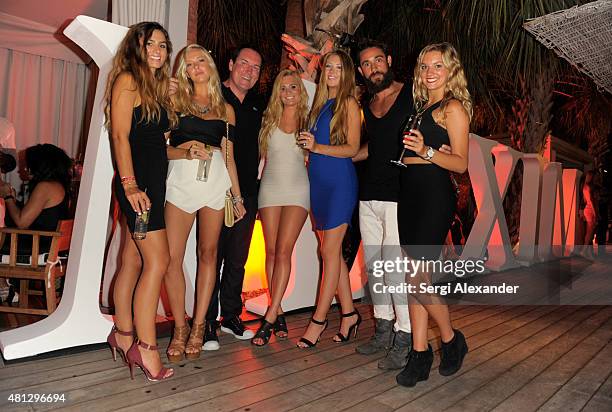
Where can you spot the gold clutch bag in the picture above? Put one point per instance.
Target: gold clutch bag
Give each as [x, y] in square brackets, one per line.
[229, 210]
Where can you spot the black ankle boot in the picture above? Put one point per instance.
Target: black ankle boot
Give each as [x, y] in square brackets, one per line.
[417, 368]
[452, 354]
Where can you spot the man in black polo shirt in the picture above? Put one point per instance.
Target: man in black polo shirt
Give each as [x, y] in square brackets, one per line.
[233, 250]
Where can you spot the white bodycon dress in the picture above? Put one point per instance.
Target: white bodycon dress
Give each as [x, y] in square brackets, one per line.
[284, 181]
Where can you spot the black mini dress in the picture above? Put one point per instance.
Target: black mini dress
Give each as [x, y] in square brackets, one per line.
[150, 163]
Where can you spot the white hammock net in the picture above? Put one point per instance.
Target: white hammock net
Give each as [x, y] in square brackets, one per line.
[581, 35]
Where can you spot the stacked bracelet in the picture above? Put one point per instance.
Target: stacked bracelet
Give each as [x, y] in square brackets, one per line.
[125, 179]
[237, 199]
[128, 180]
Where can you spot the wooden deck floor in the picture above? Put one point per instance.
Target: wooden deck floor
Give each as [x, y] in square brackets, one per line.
[521, 358]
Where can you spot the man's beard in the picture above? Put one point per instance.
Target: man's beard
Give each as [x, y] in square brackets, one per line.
[374, 87]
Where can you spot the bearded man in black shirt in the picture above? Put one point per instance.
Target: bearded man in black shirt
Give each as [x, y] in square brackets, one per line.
[384, 116]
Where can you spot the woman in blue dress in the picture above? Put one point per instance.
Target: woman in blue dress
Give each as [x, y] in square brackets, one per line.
[332, 141]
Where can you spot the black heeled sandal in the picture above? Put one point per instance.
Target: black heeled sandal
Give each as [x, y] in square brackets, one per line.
[308, 343]
[280, 325]
[264, 332]
[355, 327]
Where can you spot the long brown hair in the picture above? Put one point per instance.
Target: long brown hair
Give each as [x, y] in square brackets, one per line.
[131, 57]
[456, 86]
[346, 89]
[274, 111]
[182, 100]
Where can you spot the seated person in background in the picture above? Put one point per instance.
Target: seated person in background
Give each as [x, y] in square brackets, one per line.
[49, 179]
[7, 164]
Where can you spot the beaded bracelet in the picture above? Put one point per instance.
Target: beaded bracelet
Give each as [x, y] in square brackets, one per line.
[125, 179]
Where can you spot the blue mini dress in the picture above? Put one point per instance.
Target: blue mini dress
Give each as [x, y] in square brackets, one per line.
[333, 180]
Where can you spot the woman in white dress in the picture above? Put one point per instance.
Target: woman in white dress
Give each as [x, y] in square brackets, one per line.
[284, 194]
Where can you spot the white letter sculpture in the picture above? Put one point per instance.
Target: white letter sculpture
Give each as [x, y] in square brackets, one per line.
[78, 320]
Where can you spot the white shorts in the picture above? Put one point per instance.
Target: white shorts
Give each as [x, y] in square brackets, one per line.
[189, 194]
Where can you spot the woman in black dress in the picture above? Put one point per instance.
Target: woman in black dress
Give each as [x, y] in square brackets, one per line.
[427, 197]
[138, 119]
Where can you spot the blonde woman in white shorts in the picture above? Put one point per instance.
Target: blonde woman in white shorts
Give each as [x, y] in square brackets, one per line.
[205, 132]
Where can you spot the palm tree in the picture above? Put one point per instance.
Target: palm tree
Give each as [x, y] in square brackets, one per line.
[512, 77]
[224, 25]
[294, 24]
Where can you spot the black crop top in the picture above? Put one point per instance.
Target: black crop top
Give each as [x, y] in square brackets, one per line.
[434, 135]
[210, 132]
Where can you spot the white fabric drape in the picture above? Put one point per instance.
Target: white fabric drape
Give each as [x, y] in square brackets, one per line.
[128, 12]
[31, 37]
[43, 85]
[44, 98]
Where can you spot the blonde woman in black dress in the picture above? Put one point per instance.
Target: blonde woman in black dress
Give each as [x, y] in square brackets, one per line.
[428, 200]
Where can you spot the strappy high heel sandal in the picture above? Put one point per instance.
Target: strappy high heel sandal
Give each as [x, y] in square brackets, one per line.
[135, 358]
[281, 326]
[308, 343]
[194, 344]
[178, 342]
[264, 332]
[339, 337]
[112, 342]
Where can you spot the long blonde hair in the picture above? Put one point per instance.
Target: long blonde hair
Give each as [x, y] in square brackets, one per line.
[182, 99]
[131, 57]
[274, 111]
[456, 85]
[338, 126]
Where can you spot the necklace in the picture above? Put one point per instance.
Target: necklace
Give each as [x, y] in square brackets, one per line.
[201, 109]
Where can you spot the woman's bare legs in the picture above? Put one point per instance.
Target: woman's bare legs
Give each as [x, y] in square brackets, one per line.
[125, 283]
[178, 223]
[345, 296]
[209, 229]
[420, 358]
[270, 218]
[420, 308]
[331, 252]
[290, 224]
[155, 257]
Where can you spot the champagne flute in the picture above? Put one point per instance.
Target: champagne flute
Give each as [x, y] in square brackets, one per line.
[414, 121]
